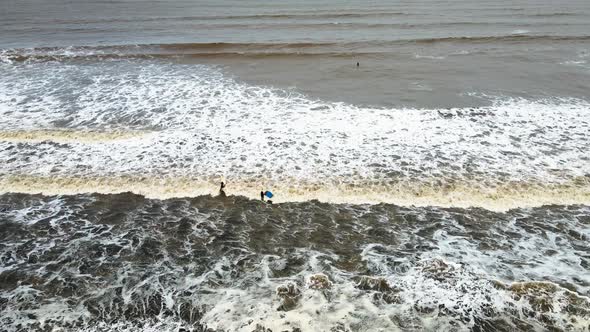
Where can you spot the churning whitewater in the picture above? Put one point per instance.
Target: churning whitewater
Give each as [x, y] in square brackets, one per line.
[126, 263]
[110, 245]
[173, 130]
[428, 159]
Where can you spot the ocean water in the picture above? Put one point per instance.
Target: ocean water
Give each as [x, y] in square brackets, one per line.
[443, 184]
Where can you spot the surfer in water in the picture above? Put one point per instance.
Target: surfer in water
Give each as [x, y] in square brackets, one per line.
[266, 194]
[222, 190]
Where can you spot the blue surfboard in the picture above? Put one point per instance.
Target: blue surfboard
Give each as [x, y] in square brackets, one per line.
[268, 194]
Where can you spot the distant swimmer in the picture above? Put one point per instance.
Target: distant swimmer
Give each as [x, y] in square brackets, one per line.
[222, 190]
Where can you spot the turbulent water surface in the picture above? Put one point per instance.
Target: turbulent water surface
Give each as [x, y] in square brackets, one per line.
[441, 184]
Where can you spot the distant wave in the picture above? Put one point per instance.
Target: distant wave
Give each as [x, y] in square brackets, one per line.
[430, 57]
[523, 38]
[335, 24]
[221, 49]
[269, 16]
[503, 38]
[301, 15]
[552, 14]
[217, 55]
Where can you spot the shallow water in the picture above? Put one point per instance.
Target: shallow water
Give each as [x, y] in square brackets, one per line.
[127, 262]
[443, 184]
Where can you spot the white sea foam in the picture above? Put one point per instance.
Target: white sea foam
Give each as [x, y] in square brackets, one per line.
[430, 57]
[576, 63]
[540, 250]
[428, 281]
[204, 127]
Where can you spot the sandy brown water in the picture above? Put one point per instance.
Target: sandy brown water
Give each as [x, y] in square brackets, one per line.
[443, 184]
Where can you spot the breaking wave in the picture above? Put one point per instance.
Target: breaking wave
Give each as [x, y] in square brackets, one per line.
[293, 49]
[169, 130]
[500, 197]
